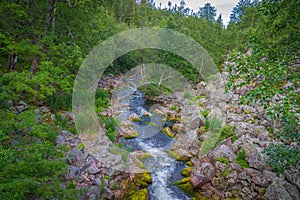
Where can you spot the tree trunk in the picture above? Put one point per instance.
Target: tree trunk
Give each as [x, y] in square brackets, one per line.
[34, 65]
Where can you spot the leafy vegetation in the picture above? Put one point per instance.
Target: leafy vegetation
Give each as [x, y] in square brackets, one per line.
[241, 158]
[31, 164]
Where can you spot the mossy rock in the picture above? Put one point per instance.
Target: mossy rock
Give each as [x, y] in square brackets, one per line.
[178, 157]
[134, 134]
[168, 132]
[182, 181]
[136, 119]
[189, 163]
[140, 195]
[200, 196]
[187, 171]
[187, 188]
[173, 118]
[143, 179]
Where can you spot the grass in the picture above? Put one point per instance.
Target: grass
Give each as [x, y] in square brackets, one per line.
[241, 158]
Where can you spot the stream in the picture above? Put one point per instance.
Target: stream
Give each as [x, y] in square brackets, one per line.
[164, 169]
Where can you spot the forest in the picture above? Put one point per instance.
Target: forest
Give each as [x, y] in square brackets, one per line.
[44, 43]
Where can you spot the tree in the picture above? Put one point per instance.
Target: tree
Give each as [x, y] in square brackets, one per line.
[239, 10]
[207, 12]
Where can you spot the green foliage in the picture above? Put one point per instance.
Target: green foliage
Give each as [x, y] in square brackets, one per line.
[223, 160]
[241, 158]
[111, 128]
[205, 113]
[58, 102]
[226, 132]
[31, 163]
[283, 156]
[102, 98]
[153, 90]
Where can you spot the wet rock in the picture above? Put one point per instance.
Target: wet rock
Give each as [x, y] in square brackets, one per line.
[168, 132]
[202, 174]
[179, 128]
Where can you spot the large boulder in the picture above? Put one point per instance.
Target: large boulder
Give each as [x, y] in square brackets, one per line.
[186, 146]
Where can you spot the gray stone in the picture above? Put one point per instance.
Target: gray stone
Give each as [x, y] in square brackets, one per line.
[74, 155]
[293, 176]
[222, 151]
[93, 193]
[276, 191]
[73, 173]
[187, 145]
[202, 174]
[108, 194]
[93, 170]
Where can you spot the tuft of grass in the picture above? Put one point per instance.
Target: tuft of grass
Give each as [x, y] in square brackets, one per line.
[241, 158]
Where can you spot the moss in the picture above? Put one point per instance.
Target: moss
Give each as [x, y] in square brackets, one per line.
[202, 130]
[189, 163]
[187, 171]
[226, 173]
[168, 132]
[182, 181]
[185, 185]
[178, 157]
[200, 198]
[150, 123]
[137, 119]
[187, 188]
[223, 160]
[140, 195]
[134, 134]
[143, 179]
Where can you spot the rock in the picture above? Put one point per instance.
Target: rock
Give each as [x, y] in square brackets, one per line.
[21, 107]
[168, 132]
[277, 191]
[185, 185]
[74, 156]
[179, 128]
[186, 146]
[93, 170]
[132, 134]
[73, 173]
[93, 193]
[254, 156]
[134, 117]
[108, 194]
[293, 176]
[202, 174]
[187, 171]
[222, 151]
[243, 127]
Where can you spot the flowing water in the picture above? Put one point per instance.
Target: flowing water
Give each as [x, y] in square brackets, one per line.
[164, 169]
